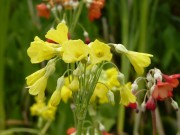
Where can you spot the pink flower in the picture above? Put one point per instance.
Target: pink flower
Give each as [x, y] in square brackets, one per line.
[133, 105]
[151, 104]
[172, 79]
[43, 10]
[71, 131]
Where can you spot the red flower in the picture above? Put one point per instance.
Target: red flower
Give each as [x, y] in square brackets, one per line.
[106, 133]
[132, 105]
[172, 79]
[162, 90]
[70, 131]
[43, 10]
[95, 9]
[151, 104]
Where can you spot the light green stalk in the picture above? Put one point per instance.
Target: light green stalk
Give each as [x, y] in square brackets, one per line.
[125, 65]
[4, 11]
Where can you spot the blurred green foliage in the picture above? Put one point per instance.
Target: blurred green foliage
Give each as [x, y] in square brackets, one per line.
[18, 26]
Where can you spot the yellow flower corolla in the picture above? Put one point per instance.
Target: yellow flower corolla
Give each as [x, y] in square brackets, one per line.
[60, 35]
[139, 60]
[99, 52]
[74, 50]
[66, 93]
[112, 80]
[38, 87]
[40, 50]
[100, 93]
[48, 112]
[126, 95]
[36, 108]
[74, 85]
[55, 98]
[31, 79]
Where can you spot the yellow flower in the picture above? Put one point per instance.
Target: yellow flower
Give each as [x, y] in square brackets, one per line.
[126, 95]
[100, 92]
[49, 112]
[112, 81]
[40, 50]
[74, 50]
[31, 79]
[66, 93]
[99, 52]
[139, 60]
[60, 35]
[38, 87]
[74, 85]
[36, 108]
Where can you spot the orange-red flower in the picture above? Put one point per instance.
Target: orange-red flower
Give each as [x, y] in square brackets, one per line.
[95, 9]
[71, 131]
[164, 90]
[151, 104]
[43, 10]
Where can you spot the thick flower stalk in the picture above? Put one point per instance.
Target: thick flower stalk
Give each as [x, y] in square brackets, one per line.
[85, 80]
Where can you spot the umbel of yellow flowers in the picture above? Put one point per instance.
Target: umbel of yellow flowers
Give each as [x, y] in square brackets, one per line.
[87, 81]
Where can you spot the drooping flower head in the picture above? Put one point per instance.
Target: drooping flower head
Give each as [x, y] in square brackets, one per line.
[126, 95]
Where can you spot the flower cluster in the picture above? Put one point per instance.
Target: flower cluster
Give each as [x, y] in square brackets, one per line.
[85, 80]
[59, 6]
[159, 88]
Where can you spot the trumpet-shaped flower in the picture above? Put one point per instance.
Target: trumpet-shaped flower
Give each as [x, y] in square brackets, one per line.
[139, 60]
[100, 93]
[58, 35]
[99, 52]
[74, 50]
[38, 87]
[66, 93]
[127, 96]
[40, 50]
[31, 79]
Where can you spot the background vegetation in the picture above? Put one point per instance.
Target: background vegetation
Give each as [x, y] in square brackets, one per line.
[151, 26]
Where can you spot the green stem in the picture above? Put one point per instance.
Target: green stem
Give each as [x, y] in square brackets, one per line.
[77, 15]
[143, 25]
[79, 127]
[13, 130]
[45, 128]
[153, 122]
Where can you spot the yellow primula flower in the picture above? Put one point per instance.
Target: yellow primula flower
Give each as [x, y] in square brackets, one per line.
[36, 108]
[126, 95]
[99, 52]
[39, 86]
[40, 50]
[74, 85]
[49, 112]
[60, 35]
[139, 60]
[31, 79]
[66, 93]
[100, 93]
[74, 50]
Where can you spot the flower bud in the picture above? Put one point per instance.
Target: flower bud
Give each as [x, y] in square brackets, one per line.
[134, 87]
[149, 77]
[60, 83]
[120, 78]
[94, 68]
[143, 106]
[55, 98]
[50, 68]
[151, 104]
[174, 104]
[110, 96]
[120, 48]
[74, 85]
[77, 72]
